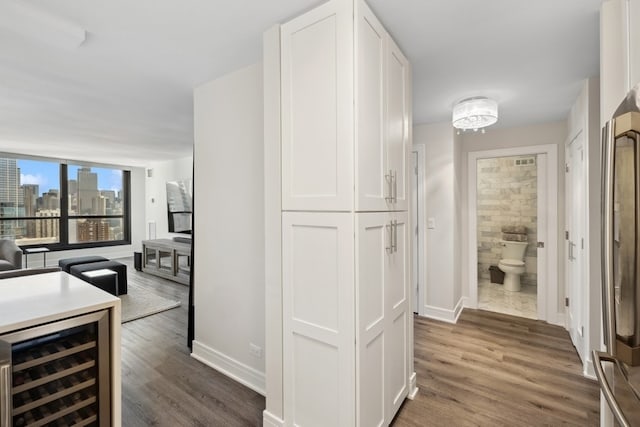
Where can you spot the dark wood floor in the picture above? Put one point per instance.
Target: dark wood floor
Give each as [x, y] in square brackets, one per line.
[162, 385]
[487, 370]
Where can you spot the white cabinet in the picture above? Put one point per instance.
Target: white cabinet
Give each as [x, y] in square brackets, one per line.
[383, 350]
[345, 134]
[319, 332]
[317, 109]
[335, 98]
[619, 53]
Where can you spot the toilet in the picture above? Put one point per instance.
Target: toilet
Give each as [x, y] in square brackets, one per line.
[512, 264]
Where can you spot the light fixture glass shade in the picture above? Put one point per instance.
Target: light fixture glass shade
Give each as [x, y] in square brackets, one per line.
[475, 113]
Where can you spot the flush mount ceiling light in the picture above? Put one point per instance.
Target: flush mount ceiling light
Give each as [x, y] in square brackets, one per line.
[475, 113]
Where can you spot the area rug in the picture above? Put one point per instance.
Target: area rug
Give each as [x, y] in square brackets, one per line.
[140, 303]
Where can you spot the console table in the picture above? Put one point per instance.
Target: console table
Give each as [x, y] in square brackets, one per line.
[167, 258]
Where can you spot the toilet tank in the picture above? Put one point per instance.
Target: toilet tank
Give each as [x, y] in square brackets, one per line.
[513, 250]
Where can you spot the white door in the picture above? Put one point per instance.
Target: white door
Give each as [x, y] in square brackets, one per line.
[382, 283]
[317, 109]
[373, 248]
[397, 124]
[397, 314]
[575, 243]
[318, 322]
[372, 187]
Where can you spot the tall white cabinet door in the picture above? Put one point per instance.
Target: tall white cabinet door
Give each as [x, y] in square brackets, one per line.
[318, 321]
[397, 315]
[373, 235]
[397, 97]
[371, 154]
[317, 109]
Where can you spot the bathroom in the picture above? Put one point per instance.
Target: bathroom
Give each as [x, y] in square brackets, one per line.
[507, 235]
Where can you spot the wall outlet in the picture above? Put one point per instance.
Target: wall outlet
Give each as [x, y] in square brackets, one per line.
[431, 223]
[255, 350]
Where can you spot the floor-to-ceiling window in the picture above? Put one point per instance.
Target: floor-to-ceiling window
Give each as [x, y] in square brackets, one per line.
[61, 205]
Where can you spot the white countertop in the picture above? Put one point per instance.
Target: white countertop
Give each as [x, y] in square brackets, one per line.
[32, 300]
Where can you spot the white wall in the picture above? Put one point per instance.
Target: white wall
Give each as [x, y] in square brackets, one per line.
[443, 286]
[156, 192]
[229, 225]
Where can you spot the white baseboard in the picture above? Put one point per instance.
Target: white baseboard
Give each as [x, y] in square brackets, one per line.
[560, 320]
[589, 371]
[230, 367]
[443, 314]
[270, 420]
[413, 388]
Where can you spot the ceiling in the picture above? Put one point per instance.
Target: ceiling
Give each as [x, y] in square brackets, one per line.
[124, 95]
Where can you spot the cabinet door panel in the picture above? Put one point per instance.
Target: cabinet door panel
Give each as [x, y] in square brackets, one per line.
[318, 322]
[397, 121]
[317, 109]
[371, 187]
[397, 316]
[372, 237]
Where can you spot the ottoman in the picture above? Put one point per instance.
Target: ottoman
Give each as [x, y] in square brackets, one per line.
[116, 266]
[67, 263]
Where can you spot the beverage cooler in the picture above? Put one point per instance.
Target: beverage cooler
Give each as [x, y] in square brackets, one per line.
[618, 368]
[57, 374]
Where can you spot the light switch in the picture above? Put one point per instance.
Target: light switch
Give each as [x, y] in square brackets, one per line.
[431, 223]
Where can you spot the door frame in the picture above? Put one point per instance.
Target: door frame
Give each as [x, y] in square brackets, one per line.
[419, 255]
[547, 291]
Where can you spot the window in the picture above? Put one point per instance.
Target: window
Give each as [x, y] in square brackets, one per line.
[60, 206]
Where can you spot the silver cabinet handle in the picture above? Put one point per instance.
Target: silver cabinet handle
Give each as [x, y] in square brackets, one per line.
[5, 394]
[598, 358]
[389, 178]
[389, 228]
[395, 186]
[395, 236]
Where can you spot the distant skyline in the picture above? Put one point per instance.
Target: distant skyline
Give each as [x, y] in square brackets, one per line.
[47, 175]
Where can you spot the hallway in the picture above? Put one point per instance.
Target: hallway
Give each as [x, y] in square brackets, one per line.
[492, 369]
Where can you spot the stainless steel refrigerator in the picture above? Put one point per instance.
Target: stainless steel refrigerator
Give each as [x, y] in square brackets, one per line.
[618, 368]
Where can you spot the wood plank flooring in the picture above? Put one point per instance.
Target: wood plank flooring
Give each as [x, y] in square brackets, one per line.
[487, 370]
[162, 385]
[493, 369]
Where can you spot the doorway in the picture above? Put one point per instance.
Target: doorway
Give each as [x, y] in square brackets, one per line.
[546, 244]
[507, 228]
[418, 234]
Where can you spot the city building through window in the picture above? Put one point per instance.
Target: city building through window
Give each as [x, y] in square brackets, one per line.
[63, 206]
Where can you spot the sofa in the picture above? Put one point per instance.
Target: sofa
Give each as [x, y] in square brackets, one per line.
[10, 255]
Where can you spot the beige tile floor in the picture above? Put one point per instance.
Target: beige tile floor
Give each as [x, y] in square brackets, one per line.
[493, 297]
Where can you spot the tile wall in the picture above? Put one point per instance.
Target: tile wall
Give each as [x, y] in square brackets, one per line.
[507, 195]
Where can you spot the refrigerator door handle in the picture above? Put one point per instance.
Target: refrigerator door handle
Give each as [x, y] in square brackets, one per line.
[598, 358]
[608, 304]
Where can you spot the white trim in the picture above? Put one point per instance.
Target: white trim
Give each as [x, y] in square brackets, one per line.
[413, 387]
[230, 367]
[422, 236]
[444, 315]
[548, 280]
[270, 420]
[589, 371]
[560, 320]
[273, 224]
